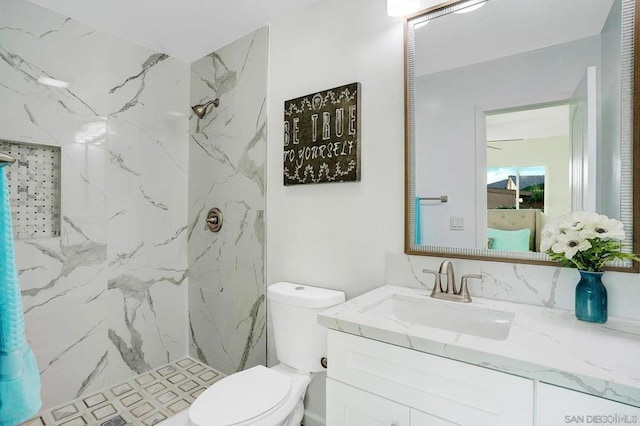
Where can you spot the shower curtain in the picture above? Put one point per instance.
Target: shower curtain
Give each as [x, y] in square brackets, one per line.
[19, 375]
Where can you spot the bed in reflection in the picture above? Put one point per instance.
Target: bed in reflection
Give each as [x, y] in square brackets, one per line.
[514, 230]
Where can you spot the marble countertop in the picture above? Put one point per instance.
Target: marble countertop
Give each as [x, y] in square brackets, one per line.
[549, 345]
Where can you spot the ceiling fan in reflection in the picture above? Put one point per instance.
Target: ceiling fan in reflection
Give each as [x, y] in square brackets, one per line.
[501, 140]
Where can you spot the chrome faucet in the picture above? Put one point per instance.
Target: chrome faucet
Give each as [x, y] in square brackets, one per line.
[450, 292]
[446, 269]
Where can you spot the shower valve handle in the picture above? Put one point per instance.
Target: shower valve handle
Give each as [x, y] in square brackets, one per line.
[213, 222]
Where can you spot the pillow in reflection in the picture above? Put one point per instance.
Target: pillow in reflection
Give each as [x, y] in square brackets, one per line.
[517, 240]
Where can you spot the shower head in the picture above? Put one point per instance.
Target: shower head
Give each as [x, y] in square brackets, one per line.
[6, 159]
[201, 110]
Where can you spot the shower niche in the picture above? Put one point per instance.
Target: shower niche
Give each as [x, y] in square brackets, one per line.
[34, 189]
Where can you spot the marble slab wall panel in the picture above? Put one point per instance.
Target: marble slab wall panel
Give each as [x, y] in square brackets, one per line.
[63, 279]
[227, 306]
[546, 286]
[73, 295]
[146, 173]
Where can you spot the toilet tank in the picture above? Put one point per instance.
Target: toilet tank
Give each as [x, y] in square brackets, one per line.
[300, 341]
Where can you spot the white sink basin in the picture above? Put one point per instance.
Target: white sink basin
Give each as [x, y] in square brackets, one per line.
[453, 316]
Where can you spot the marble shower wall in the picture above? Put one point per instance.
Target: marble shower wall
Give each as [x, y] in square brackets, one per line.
[106, 300]
[227, 305]
[147, 178]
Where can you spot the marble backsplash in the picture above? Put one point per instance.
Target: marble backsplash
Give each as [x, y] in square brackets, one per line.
[227, 305]
[521, 283]
[107, 299]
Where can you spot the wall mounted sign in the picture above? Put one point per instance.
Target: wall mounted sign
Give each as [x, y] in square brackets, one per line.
[322, 136]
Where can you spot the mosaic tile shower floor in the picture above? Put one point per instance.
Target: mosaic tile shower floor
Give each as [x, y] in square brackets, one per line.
[146, 399]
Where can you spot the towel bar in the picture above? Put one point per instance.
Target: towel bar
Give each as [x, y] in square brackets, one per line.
[442, 198]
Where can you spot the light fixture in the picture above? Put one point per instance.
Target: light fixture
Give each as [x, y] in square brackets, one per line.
[402, 7]
[53, 82]
[471, 8]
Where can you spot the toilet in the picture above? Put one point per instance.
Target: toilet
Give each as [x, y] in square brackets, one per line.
[261, 396]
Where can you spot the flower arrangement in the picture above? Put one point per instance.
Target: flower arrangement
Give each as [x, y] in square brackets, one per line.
[584, 240]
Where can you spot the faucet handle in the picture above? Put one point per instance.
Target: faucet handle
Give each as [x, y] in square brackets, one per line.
[464, 291]
[437, 286]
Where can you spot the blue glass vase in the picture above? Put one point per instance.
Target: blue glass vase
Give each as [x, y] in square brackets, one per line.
[591, 297]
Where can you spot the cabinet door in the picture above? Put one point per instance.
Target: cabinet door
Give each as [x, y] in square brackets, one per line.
[454, 391]
[560, 406]
[349, 406]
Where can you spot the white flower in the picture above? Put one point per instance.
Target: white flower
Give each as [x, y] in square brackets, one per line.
[551, 229]
[569, 243]
[547, 243]
[576, 221]
[590, 234]
[604, 228]
[550, 234]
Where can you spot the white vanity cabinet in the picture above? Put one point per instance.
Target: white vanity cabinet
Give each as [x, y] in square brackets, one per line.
[371, 382]
[560, 406]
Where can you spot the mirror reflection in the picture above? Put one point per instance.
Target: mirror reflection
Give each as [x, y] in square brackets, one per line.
[519, 112]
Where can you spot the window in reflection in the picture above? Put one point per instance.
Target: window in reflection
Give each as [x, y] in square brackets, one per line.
[515, 188]
[529, 159]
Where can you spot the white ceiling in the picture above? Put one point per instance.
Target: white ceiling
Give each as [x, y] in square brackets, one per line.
[184, 29]
[529, 124]
[503, 28]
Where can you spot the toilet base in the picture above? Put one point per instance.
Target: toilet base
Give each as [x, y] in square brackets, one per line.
[295, 418]
[296, 413]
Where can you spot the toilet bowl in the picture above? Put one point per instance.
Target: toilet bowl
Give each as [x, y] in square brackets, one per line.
[262, 396]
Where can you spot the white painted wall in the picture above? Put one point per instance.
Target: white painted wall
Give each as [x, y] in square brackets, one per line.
[337, 235]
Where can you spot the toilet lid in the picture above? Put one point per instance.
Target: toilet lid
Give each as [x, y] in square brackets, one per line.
[240, 397]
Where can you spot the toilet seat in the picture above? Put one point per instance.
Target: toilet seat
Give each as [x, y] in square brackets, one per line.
[241, 398]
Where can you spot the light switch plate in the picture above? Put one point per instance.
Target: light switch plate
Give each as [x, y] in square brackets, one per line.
[456, 223]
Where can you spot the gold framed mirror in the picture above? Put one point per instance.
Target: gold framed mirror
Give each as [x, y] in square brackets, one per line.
[515, 113]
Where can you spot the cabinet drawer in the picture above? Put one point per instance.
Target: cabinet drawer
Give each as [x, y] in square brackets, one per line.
[451, 390]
